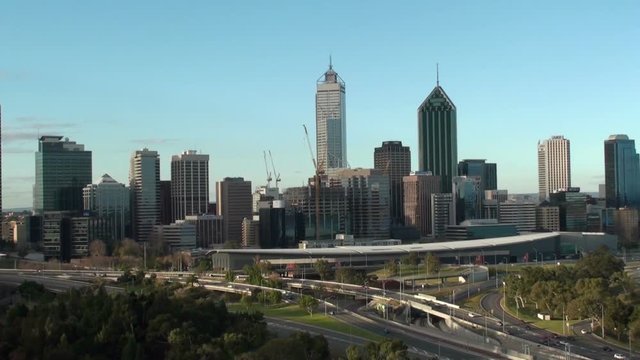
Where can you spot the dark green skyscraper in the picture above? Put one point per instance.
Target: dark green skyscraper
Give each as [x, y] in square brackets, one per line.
[438, 137]
[63, 168]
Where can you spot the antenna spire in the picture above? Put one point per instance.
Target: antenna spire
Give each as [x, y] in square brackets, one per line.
[437, 74]
[330, 63]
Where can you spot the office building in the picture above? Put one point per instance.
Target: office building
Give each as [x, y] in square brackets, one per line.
[189, 184]
[442, 214]
[144, 182]
[573, 208]
[621, 172]
[518, 213]
[234, 205]
[367, 198]
[179, 235]
[63, 169]
[479, 229]
[331, 123]
[166, 211]
[438, 137]
[208, 230]
[395, 162]
[467, 202]
[547, 217]
[626, 227]
[418, 188]
[554, 166]
[273, 226]
[65, 236]
[487, 172]
[264, 193]
[250, 233]
[108, 202]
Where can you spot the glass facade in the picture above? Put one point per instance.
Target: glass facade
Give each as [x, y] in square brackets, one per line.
[437, 137]
[331, 123]
[622, 172]
[63, 169]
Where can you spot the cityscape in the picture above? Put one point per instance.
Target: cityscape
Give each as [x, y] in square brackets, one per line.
[431, 243]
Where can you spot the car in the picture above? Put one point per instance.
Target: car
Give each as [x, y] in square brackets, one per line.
[499, 323]
[619, 356]
[584, 331]
[332, 313]
[472, 315]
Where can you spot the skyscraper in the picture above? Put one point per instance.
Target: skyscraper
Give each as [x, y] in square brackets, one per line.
[331, 125]
[395, 162]
[438, 136]
[144, 180]
[418, 188]
[487, 172]
[234, 204]
[621, 172]
[189, 184]
[572, 206]
[108, 200]
[554, 166]
[63, 169]
[467, 199]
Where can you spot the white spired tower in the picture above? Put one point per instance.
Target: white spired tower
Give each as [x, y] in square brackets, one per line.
[331, 125]
[554, 165]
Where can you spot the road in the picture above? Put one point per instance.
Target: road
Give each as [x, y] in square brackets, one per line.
[586, 345]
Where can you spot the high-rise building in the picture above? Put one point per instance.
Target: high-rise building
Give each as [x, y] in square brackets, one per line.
[144, 182]
[626, 227]
[547, 217]
[442, 214]
[63, 169]
[467, 198]
[487, 172]
[208, 230]
[438, 136]
[234, 204]
[395, 162]
[519, 213]
[65, 236]
[250, 233]
[108, 201]
[554, 166]
[273, 225]
[418, 188]
[367, 196]
[621, 172]
[331, 124]
[189, 184]
[573, 208]
[166, 211]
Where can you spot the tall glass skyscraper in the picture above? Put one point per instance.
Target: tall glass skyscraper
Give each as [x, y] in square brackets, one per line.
[144, 181]
[438, 137]
[63, 169]
[331, 123]
[621, 172]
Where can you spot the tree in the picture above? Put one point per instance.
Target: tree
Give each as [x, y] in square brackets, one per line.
[392, 267]
[323, 267]
[97, 248]
[431, 263]
[308, 303]
[246, 301]
[388, 349]
[599, 264]
[411, 259]
[128, 247]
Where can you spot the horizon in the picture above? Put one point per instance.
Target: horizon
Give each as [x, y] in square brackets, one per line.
[119, 77]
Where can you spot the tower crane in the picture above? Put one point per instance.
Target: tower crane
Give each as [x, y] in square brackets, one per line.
[277, 174]
[266, 167]
[317, 181]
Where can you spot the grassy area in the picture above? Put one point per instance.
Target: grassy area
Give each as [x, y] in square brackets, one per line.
[529, 315]
[473, 303]
[296, 314]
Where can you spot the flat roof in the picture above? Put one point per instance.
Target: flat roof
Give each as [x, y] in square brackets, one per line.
[395, 249]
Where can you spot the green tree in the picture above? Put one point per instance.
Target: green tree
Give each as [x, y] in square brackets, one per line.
[324, 269]
[392, 267]
[246, 301]
[411, 259]
[388, 349]
[431, 263]
[600, 263]
[308, 303]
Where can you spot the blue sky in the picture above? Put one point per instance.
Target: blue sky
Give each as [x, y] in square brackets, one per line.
[234, 78]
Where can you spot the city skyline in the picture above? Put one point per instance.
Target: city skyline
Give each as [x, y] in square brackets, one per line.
[88, 82]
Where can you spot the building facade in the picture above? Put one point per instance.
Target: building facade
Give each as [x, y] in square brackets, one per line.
[626, 225]
[63, 169]
[554, 166]
[572, 206]
[234, 204]
[144, 182]
[208, 230]
[487, 172]
[442, 214]
[331, 121]
[418, 188]
[166, 211]
[520, 214]
[176, 236]
[621, 172]
[438, 137]
[467, 198]
[395, 162]
[548, 217]
[109, 202]
[189, 184]
[250, 233]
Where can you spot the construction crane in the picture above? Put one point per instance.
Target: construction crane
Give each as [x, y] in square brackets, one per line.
[277, 174]
[266, 167]
[317, 181]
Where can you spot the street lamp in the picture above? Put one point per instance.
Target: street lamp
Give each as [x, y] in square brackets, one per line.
[504, 285]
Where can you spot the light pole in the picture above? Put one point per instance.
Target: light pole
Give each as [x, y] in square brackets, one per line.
[504, 285]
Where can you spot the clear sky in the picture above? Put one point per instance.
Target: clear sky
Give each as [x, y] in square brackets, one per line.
[234, 78]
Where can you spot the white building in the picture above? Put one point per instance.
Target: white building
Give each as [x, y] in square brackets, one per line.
[331, 125]
[189, 184]
[520, 214]
[554, 166]
[144, 181]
